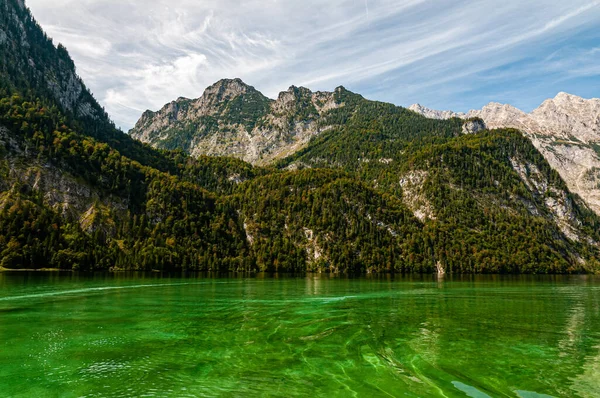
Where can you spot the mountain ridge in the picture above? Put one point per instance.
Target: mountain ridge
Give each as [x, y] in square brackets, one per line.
[566, 130]
[258, 129]
[352, 185]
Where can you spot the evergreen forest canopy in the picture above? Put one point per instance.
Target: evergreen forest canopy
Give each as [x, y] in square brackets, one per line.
[384, 190]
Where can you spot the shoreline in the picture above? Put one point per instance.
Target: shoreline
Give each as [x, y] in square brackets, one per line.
[440, 276]
[2, 269]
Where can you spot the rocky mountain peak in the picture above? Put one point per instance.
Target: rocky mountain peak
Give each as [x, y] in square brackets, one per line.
[288, 99]
[299, 90]
[564, 102]
[494, 106]
[566, 97]
[226, 89]
[571, 104]
[572, 116]
[232, 118]
[498, 115]
[147, 114]
[432, 113]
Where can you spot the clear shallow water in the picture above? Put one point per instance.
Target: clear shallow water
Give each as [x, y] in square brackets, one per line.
[118, 335]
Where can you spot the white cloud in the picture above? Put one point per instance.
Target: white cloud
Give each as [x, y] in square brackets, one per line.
[138, 54]
[92, 46]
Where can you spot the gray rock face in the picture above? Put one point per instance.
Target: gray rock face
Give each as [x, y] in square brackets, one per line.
[67, 90]
[557, 201]
[234, 119]
[473, 126]
[223, 90]
[565, 129]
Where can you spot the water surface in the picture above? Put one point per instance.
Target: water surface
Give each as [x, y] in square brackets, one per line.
[121, 335]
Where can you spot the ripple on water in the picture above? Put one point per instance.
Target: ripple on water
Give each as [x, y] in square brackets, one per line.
[104, 342]
[353, 339]
[104, 369]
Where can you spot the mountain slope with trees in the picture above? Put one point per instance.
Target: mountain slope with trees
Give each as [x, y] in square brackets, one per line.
[378, 189]
[565, 129]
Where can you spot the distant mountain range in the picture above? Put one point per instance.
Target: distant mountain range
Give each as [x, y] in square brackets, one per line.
[565, 129]
[324, 182]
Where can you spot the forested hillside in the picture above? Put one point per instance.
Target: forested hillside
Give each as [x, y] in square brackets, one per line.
[379, 189]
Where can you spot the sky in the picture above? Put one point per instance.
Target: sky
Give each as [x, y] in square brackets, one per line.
[456, 55]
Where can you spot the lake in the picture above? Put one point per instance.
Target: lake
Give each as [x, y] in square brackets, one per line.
[130, 335]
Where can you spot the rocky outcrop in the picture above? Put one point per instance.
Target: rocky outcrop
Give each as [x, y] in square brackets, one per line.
[473, 126]
[414, 197]
[234, 119]
[565, 129]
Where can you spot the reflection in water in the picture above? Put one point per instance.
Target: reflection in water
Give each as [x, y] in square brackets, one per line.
[441, 278]
[573, 330]
[323, 336]
[470, 390]
[587, 385]
[313, 285]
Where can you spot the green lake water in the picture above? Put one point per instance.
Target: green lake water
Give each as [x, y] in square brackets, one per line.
[133, 335]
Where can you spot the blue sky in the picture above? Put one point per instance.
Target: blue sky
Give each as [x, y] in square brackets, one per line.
[458, 55]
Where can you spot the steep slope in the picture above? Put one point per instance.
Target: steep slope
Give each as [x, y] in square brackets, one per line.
[31, 63]
[69, 201]
[34, 68]
[566, 130]
[326, 220]
[234, 119]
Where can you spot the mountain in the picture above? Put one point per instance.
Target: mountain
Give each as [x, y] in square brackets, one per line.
[77, 193]
[393, 151]
[234, 119]
[565, 129]
[351, 185]
[451, 178]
